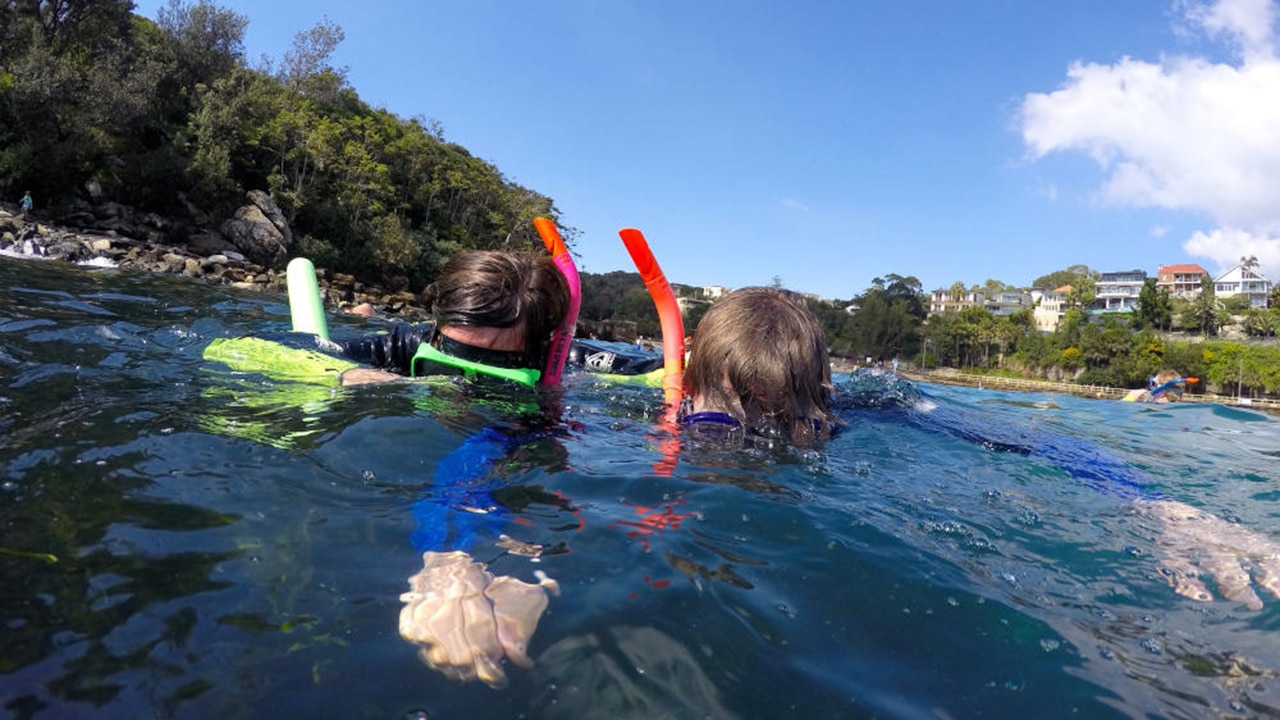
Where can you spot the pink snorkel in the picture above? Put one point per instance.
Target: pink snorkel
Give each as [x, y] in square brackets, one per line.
[560, 342]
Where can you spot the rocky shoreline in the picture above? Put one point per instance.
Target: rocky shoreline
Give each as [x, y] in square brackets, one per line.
[113, 235]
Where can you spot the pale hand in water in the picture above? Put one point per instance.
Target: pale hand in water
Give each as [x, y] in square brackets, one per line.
[365, 376]
[1195, 544]
[466, 620]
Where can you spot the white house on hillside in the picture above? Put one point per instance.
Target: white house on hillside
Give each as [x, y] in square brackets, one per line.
[714, 292]
[1117, 292]
[1243, 281]
[999, 302]
[1048, 313]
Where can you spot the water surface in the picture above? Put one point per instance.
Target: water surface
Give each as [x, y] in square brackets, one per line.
[179, 540]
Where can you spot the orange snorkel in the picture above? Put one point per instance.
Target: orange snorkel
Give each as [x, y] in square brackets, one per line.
[672, 345]
[668, 315]
[559, 351]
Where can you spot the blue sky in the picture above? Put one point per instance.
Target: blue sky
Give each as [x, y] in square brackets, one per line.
[828, 143]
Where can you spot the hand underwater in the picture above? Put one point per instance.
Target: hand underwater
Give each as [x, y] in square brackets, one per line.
[466, 620]
[1196, 543]
[365, 376]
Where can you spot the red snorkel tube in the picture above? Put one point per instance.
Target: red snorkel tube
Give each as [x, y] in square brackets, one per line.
[563, 337]
[668, 315]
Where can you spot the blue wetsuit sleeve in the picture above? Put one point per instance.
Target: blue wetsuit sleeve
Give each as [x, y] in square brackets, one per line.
[459, 507]
[390, 351]
[1082, 461]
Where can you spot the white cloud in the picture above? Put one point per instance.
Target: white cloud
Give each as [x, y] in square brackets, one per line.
[1226, 246]
[1244, 23]
[1182, 133]
[1159, 231]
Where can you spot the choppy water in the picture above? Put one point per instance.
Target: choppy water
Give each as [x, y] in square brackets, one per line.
[180, 541]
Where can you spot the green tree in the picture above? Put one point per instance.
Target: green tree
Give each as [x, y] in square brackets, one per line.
[886, 323]
[1073, 276]
[1155, 307]
[1205, 313]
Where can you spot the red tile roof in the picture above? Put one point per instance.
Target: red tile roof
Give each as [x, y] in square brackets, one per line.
[1183, 269]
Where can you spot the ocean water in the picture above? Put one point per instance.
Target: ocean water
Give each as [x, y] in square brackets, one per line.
[181, 541]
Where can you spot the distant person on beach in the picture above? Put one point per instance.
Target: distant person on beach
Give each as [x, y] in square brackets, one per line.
[1165, 387]
[26, 204]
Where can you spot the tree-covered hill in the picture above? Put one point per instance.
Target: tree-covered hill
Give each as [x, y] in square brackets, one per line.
[99, 105]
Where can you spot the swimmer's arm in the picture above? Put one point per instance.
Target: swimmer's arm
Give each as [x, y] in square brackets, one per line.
[389, 351]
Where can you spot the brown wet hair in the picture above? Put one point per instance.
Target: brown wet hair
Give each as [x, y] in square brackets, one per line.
[501, 289]
[761, 356]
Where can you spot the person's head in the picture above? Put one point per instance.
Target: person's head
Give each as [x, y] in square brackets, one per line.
[520, 293]
[1165, 386]
[761, 356]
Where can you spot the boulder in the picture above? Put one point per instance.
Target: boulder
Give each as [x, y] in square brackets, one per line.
[260, 231]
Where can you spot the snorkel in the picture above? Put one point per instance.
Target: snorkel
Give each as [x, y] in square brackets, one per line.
[306, 310]
[672, 345]
[1165, 387]
[470, 368]
[558, 353]
[668, 314]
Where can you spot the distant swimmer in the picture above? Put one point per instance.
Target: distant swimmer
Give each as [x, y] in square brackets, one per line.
[1166, 386]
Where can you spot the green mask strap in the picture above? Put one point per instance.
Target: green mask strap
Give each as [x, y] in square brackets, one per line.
[524, 376]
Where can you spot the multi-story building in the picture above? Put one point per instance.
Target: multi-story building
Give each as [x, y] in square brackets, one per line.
[1049, 311]
[1180, 280]
[1117, 292]
[1241, 280]
[999, 302]
[714, 292]
[942, 300]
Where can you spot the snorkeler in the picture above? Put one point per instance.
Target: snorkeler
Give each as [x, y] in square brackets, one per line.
[493, 314]
[1166, 386]
[759, 366]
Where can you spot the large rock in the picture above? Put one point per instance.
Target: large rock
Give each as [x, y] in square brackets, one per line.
[260, 231]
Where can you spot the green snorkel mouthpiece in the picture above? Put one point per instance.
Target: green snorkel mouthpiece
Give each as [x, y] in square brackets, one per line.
[470, 368]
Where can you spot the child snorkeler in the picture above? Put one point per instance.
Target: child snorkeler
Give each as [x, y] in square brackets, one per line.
[1166, 386]
[759, 366]
[759, 362]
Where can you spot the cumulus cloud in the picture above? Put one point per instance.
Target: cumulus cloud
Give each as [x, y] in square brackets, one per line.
[1183, 133]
